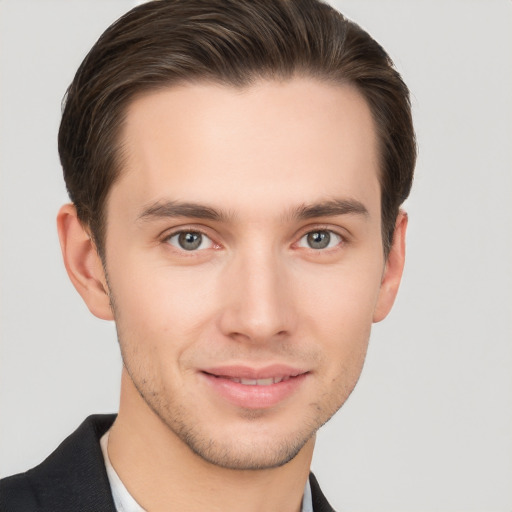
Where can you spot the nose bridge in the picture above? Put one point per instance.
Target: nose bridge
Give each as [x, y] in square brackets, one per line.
[256, 305]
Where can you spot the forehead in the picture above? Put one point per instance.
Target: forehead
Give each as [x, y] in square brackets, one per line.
[274, 142]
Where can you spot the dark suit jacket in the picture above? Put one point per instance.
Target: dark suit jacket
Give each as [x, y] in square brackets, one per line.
[73, 478]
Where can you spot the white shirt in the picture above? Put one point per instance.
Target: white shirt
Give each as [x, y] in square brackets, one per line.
[125, 502]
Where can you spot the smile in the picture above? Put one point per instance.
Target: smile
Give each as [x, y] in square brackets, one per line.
[255, 388]
[256, 382]
[259, 382]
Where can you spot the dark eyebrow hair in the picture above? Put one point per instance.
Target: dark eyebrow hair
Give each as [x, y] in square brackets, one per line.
[330, 209]
[179, 209]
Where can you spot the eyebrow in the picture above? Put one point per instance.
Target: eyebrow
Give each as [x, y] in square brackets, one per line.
[171, 209]
[331, 208]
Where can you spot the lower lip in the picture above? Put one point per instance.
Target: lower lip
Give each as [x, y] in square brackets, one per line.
[254, 397]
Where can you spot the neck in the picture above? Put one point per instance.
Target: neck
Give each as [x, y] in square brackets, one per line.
[159, 469]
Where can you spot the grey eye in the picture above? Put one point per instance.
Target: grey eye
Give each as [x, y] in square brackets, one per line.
[190, 241]
[318, 239]
[321, 239]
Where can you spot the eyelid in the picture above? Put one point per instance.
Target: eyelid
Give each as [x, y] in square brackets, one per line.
[184, 228]
[311, 228]
[334, 237]
[177, 230]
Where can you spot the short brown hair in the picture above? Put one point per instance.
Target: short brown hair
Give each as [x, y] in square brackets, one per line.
[234, 42]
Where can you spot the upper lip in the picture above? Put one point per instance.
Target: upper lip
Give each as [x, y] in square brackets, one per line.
[248, 372]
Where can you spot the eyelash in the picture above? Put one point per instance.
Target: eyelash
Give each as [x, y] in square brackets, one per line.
[308, 230]
[177, 233]
[331, 235]
[342, 240]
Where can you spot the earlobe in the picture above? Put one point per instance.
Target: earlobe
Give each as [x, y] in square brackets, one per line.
[82, 262]
[393, 270]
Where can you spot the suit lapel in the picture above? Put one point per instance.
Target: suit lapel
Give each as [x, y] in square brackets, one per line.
[73, 477]
[320, 503]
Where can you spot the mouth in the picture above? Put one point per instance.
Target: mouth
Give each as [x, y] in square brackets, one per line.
[255, 382]
[253, 388]
[249, 376]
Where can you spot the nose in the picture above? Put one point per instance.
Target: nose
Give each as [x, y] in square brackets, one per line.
[257, 298]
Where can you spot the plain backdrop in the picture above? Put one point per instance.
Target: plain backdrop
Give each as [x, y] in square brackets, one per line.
[429, 426]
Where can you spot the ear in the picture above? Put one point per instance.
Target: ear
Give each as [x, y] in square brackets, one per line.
[83, 263]
[393, 270]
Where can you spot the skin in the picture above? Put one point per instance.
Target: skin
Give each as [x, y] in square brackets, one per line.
[255, 293]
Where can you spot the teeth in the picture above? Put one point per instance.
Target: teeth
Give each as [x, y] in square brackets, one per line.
[265, 382]
[249, 382]
[259, 382]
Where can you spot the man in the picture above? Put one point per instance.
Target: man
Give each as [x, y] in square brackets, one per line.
[236, 171]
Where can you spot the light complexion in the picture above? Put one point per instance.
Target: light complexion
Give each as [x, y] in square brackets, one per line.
[245, 265]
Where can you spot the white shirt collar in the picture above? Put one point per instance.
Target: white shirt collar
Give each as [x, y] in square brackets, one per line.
[123, 500]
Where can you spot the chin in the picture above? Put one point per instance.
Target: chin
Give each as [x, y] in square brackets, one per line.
[245, 453]
[254, 440]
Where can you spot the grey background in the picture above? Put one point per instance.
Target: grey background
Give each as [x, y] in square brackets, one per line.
[429, 427]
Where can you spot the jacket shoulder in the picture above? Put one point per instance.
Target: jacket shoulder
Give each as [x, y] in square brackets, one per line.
[16, 494]
[73, 477]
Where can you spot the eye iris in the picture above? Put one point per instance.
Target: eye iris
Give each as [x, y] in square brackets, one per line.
[190, 240]
[319, 239]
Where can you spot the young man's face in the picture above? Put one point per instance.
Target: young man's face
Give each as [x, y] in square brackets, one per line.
[245, 263]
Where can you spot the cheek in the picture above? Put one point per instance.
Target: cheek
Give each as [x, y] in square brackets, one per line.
[160, 306]
[341, 300]
[345, 326]
[339, 315]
